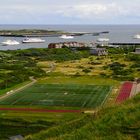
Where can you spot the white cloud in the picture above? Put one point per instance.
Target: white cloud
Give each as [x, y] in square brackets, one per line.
[90, 10]
[98, 10]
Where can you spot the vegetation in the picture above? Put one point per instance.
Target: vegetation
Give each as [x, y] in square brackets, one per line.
[122, 50]
[19, 65]
[15, 123]
[30, 32]
[115, 66]
[68, 69]
[118, 122]
[16, 69]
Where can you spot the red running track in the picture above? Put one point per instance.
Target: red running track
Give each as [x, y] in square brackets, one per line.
[124, 92]
[39, 110]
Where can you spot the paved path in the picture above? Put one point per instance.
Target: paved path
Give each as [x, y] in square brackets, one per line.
[18, 89]
[138, 89]
[133, 90]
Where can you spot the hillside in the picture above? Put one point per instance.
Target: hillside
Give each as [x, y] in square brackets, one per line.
[72, 72]
[118, 122]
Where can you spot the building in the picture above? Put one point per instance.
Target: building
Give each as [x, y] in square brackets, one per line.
[113, 46]
[18, 137]
[71, 45]
[98, 51]
[137, 51]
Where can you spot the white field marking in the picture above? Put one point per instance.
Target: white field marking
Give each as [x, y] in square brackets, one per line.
[17, 90]
[138, 88]
[133, 90]
[65, 93]
[84, 104]
[46, 101]
[106, 96]
[16, 101]
[72, 100]
[96, 95]
[87, 99]
[98, 89]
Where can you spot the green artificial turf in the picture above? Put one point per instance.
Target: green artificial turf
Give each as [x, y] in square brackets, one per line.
[66, 95]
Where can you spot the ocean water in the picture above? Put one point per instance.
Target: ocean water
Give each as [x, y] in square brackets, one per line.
[117, 33]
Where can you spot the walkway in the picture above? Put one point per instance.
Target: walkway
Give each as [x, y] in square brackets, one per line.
[18, 89]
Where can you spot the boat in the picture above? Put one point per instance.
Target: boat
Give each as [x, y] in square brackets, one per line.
[33, 40]
[66, 37]
[137, 36]
[10, 42]
[103, 39]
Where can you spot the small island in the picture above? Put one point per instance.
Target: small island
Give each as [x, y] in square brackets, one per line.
[43, 33]
[29, 32]
[35, 33]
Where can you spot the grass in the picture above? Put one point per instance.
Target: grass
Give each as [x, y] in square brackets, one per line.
[94, 80]
[92, 66]
[3, 91]
[14, 123]
[65, 95]
[117, 122]
[77, 66]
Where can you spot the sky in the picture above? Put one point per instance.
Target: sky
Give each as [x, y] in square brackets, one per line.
[69, 11]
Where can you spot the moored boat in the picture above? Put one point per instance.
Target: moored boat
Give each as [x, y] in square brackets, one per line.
[10, 42]
[33, 40]
[103, 39]
[137, 36]
[66, 37]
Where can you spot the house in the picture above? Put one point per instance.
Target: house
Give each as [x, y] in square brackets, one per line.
[98, 51]
[67, 44]
[55, 45]
[113, 46]
[18, 137]
[137, 51]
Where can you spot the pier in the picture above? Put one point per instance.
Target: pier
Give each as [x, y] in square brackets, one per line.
[125, 43]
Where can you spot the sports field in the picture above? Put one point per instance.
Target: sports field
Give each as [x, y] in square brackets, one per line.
[67, 95]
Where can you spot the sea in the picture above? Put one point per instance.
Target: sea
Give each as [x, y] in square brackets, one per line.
[117, 34]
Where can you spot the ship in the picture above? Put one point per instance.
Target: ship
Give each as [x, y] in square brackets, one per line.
[66, 37]
[10, 42]
[33, 40]
[137, 36]
[103, 39]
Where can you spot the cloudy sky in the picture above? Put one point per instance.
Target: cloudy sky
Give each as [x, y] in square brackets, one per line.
[69, 11]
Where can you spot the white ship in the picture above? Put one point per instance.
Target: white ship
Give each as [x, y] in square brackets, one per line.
[66, 37]
[10, 42]
[33, 40]
[137, 36]
[103, 39]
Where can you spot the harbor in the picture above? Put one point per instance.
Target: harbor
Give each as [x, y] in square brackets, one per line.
[112, 35]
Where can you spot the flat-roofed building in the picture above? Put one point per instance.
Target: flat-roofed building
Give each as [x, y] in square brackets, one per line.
[137, 51]
[18, 137]
[98, 51]
[67, 44]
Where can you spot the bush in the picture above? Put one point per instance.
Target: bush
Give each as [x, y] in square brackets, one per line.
[86, 70]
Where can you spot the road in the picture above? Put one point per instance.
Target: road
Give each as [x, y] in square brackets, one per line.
[18, 89]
